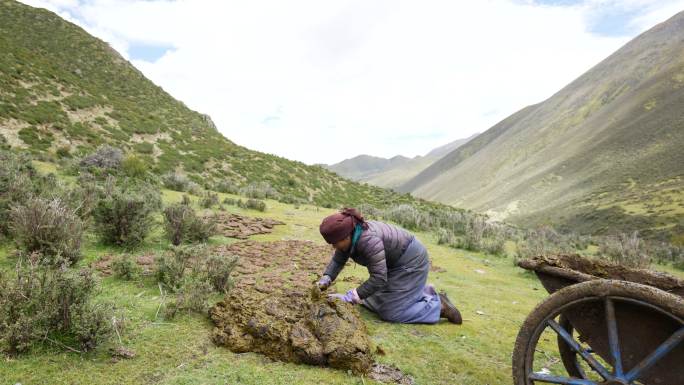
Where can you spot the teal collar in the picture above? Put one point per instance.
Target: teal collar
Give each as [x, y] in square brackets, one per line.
[355, 237]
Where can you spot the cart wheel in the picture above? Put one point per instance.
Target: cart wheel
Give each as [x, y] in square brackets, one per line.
[569, 357]
[619, 358]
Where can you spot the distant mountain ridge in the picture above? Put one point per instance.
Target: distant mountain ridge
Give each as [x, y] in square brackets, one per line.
[603, 154]
[394, 171]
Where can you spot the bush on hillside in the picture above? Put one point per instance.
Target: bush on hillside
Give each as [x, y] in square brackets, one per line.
[105, 157]
[125, 215]
[193, 274]
[125, 267]
[209, 200]
[253, 204]
[226, 186]
[626, 250]
[260, 190]
[135, 167]
[218, 269]
[175, 181]
[16, 184]
[230, 201]
[48, 227]
[172, 265]
[191, 296]
[37, 301]
[543, 240]
[182, 224]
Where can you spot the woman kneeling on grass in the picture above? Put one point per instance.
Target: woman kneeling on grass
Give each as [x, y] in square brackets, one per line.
[398, 265]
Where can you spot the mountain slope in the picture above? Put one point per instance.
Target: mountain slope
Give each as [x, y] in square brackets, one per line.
[64, 92]
[602, 154]
[391, 172]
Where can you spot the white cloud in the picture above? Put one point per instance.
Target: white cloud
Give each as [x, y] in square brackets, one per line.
[321, 81]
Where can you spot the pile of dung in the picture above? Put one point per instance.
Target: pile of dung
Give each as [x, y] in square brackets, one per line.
[274, 308]
[241, 227]
[294, 327]
[273, 266]
[599, 268]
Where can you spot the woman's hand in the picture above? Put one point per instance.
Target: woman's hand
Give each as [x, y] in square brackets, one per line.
[350, 297]
[324, 282]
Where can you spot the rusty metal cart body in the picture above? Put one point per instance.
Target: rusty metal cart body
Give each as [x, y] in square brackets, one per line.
[613, 325]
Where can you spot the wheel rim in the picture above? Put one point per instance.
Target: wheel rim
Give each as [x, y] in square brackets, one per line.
[612, 374]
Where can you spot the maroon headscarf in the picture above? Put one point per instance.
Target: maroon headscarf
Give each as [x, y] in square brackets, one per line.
[336, 227]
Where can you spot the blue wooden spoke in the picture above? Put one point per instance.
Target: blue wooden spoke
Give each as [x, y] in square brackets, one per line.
[559, 380]
[656, 355]
[613, 340]
[600, 369]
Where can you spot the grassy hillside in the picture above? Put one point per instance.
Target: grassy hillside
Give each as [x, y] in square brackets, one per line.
[392, 172]
[63, 93]
[603, 154]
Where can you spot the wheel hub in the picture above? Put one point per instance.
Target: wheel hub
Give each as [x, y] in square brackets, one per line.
[615, 382]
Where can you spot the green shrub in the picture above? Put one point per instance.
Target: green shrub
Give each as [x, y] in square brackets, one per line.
[186, 201]
[144, 147]
[44, 112]
[218, 269]
[125, 267]
[183, 225]
[40, 301]
[36, 139]
[134, 167]
[626, 250]
[105, 157]
[542, 241]
[253, 204]
[445, 237]
[64, 152]
[226, 186]
[48, 227]
[209, 200]
[193, 295]
[16, 185]
[230, 201]
[172, 265]
[125, 215]
[91, 324]
[175, 181]
[260, 190]
[78, 102]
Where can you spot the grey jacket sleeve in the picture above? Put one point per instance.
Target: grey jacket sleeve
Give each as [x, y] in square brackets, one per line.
[377, 268]
[337, 262]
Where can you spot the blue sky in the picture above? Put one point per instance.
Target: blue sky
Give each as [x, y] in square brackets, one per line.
[148, 52]
[322, 81]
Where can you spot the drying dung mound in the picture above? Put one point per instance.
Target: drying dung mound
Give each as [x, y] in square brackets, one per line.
[241, 227]
[275, 309]
[579, 268]
[311, 329]
[104, 264]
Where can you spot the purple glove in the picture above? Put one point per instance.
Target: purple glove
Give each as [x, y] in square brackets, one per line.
[351, 297]
[324, 282]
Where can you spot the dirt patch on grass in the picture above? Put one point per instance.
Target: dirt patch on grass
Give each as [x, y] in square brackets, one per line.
[437, 269]
[391, 374]
[104, 263]
[241, 227]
